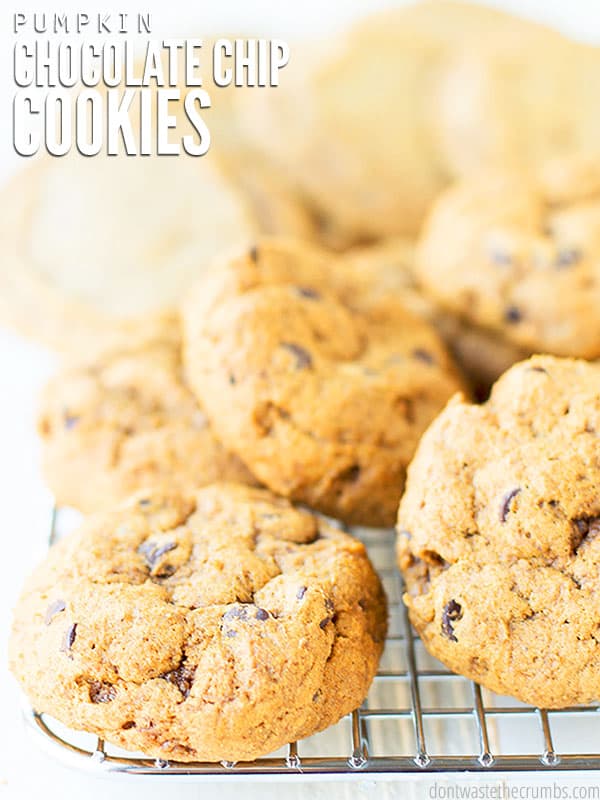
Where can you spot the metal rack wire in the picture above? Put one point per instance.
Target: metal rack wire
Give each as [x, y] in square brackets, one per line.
[417, 718]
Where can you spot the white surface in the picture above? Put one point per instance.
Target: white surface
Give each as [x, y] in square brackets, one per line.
[24, 772]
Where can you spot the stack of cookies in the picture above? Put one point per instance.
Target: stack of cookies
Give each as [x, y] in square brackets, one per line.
[198, 614]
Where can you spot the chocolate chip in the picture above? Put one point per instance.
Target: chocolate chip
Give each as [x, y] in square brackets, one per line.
[232, 379]
[506, 503]
[144, 502]
[351, 474]
[568, 257]
[182, 678]
[500, 257]
[306, 291]
[230, 634]
[513, 314]
[69, 420]
[303, 357]
[537, 369]
[53, 609]
[301, 592]
[452, 612]
[325, 622]
[261, 614]
[101, 692]
[236, 612]
[153, 553]
[253, 254]
[586, 528]
[423, 355]
[362, 604]
[69, 638]
[128, 725]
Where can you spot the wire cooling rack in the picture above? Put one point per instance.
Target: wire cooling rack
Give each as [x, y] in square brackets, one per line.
[417, 718]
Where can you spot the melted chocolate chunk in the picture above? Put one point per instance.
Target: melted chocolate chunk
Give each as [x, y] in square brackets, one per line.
[69, 638]
[261, 614]
[153, 553]
[585, 529]
[53, 609]
[423, 355]
[452, 612]
[236, 612]
[350, 475]
[182, 678]
[303, 357]
[306, 291]
[500, 257]
[324, 623]
[101, 692]
[568, 257]
[537, 369]
[70, 420]
[513, 315]
[506, 503]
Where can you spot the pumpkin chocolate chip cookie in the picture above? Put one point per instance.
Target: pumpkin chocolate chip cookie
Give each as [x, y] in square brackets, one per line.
[322, 391]
[388, 267]
[140, 229]
[127, 421]
[215, 626]
[498, 535]
[518, 254]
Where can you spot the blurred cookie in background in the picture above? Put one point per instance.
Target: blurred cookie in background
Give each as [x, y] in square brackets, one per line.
[124, 422]
[516, 253]
[100, 247]
[517, 98]
[372, 125]
[388, 269]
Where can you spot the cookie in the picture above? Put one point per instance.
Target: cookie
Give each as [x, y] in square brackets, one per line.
[389, 267]
[498, 535]
[139, 231]
[518, 253]
[125, 422]
[522, 100]
[321, 391]
[355, 122]
[215, 626]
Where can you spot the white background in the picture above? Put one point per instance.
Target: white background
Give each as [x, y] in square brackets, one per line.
[24, 772]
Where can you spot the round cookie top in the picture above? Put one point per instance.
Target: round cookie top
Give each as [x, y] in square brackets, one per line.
[498, 534]
[323, 391]
[141, 229]
[124, 422]
[215, 626]
[519, 253]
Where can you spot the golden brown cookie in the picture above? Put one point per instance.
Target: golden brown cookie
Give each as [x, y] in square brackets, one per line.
[498, 535]
[124, 422]
[518, 253]
[388, 268]
[321, 390]
[215, 626]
